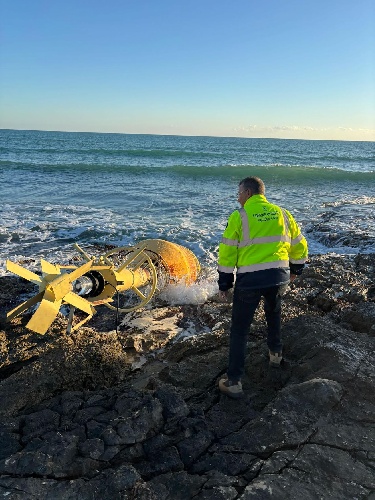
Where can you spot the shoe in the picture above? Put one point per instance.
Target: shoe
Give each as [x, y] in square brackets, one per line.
[231, 389]
[275, 358]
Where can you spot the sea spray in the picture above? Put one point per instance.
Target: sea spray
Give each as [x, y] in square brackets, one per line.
[197, 293]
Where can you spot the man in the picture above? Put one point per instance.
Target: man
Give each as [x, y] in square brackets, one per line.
[265, 244]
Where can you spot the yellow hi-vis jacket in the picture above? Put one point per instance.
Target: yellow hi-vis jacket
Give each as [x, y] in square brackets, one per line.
[261, 236]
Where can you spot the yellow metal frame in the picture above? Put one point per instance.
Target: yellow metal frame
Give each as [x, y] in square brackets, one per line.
[136, 271]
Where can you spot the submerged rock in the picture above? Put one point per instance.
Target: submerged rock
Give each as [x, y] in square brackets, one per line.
[136, 413]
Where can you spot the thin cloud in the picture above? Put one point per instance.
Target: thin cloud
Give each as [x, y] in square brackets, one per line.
[297, 128]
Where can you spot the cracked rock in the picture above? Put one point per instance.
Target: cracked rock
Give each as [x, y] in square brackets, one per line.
[79, 418]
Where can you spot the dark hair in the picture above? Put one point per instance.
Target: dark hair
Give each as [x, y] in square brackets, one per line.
[254, 184]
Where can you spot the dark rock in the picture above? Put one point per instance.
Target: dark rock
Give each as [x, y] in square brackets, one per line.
[226, 462]
[292, 483]
[172, 402]
[109, 484]
[10, 444]
[95, 429]
[110, 453]
[179, 485]
[154, 445]
[218, 493]
[288, 421]
[167, 460]
[76, 420]
[92, 448]
[86, 414]
[38, 424]
[361, 318]
[70, 406]
[192, 447]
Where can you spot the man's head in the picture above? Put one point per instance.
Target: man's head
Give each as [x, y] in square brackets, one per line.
[248, 187]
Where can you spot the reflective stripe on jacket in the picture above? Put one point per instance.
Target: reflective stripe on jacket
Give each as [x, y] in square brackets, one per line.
[261, 236]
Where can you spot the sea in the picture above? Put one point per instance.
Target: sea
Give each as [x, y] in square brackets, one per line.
[61, 188]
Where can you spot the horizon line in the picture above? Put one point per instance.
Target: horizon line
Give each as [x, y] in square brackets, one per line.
[183, 135]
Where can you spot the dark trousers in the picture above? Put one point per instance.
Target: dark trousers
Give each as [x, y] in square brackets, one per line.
[245, 303]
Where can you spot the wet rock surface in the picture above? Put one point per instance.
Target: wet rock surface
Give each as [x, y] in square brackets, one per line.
[136, 413]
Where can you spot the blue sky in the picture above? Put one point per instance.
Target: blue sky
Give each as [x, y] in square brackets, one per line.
[246, 68]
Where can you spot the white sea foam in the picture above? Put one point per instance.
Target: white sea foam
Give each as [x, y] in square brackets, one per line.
[197, 293]
[362, 200]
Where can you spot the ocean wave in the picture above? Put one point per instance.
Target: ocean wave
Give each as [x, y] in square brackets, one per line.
[294, 174]
[362, 200]
[348, 228]
[86, 190]
[149, 153]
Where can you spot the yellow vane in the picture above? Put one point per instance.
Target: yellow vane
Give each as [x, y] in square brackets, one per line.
[133, 274]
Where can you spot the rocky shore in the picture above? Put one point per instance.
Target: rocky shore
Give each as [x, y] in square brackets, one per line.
[136, 413]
